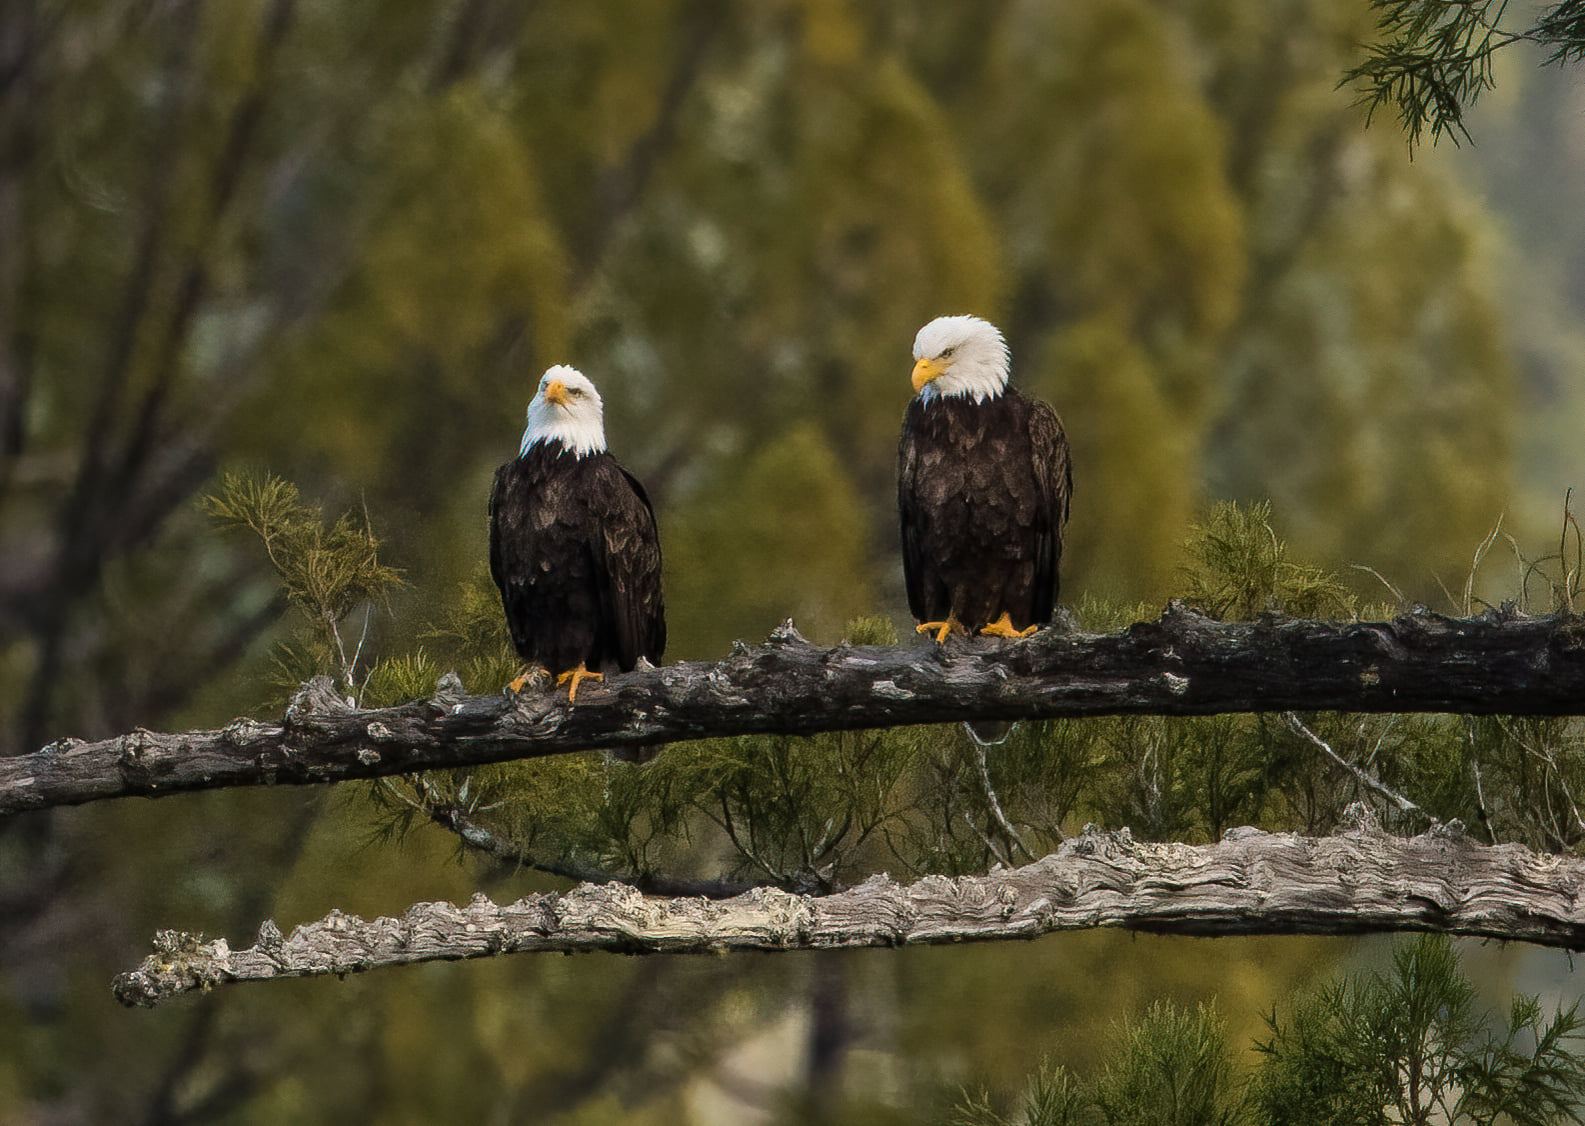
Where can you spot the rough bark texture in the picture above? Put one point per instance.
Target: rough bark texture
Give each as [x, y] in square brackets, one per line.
[1250, 882]
[1181, 664]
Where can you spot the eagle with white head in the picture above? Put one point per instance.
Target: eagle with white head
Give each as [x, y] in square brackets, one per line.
[983, 483]
[574, 548]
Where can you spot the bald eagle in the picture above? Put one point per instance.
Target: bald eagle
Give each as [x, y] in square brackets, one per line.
[573, 544]
[983, 480]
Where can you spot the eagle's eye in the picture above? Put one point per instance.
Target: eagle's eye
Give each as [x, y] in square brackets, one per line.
[946, 353]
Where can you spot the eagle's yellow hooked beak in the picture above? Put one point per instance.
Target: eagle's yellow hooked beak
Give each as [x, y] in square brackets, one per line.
[556, 392]
[925, 371]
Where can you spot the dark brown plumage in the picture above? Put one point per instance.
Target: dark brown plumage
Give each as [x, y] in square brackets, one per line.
[982, 492]
[575, 553]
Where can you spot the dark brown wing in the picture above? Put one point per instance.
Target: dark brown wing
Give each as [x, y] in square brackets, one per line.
[500, 564]
[1053, 473]
[633, 603]
[911, 516]
[496, 562]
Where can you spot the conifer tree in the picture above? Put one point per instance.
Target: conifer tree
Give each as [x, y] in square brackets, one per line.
[1435, 57]
[1366, 1049]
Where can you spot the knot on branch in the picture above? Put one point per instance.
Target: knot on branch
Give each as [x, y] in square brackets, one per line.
[1063, 621]
[786, 918]
[1097, 842]
[1359, 818]
[1420, 623]
[317, 697]
[1178, 614]
[787, 634]
[133, 744]
[587, 902]
[245, 732]
[270, 940]
[449, 695]
[1507, 611]
[1178, 620]
[181, 962]
[1241, 833]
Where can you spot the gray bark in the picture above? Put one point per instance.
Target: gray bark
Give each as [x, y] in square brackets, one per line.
[1250, 882]
[1181, 664]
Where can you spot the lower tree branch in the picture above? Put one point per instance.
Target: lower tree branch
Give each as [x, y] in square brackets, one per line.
[1249, 882]
[1181, 664]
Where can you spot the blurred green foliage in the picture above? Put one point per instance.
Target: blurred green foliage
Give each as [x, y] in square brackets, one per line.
[1367, 1049]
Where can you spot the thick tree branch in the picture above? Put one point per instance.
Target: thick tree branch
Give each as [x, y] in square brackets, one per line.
[1181, 664]
[1249, 882]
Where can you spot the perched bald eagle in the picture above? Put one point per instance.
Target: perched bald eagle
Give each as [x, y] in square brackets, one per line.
[983, 480]
[573, 544]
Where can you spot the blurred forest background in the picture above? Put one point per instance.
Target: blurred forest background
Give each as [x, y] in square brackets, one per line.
[338, 242]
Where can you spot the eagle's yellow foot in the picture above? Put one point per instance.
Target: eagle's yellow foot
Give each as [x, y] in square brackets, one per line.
[940, 629]
[529, 673]
[1003, 627]
[577, 676]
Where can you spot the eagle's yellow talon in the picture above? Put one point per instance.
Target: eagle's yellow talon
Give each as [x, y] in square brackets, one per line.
[940, 629]
[577, 676]
[1003, 627]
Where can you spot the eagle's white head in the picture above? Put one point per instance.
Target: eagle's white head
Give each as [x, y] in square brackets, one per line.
[566, 408]
[960, 355]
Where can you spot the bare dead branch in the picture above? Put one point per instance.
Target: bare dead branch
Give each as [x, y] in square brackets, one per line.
[992, 802]
[1181, 664]
[1250, 882]
[1365, 779]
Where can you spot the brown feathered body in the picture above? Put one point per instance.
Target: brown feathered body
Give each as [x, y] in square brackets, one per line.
[576, 555]
[982, 491]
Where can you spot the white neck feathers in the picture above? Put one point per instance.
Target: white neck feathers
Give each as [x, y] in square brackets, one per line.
[958, 384]
[578, 436]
